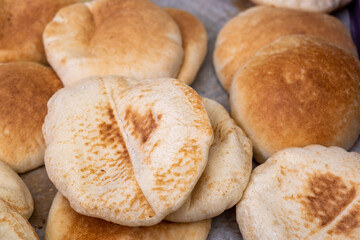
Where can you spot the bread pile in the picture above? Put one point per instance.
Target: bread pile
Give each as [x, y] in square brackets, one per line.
[125, 142]
[291, 86]
[136, 153]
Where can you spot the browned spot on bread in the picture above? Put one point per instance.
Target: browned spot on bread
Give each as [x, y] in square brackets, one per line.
[185, 169]
[348, 223]
[328, 197]
[108, 161]
[142, 125]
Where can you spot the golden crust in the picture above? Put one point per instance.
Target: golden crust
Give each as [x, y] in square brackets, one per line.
[132, 38]
[64, 223]
[257, 27]
[295, 92]
[25, 88]
[194, 42]
[22, 24]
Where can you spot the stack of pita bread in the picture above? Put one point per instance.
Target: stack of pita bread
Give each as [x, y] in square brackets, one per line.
[136, 153]
[140, 149]
[294, 85]
[291, 85]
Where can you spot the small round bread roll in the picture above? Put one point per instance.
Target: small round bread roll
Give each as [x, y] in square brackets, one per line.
[306, 5]
[25, 88]
[22, 24]
[194, 42]
[133, 38]
[126, 152]
[298, 91]
[64, 223]
[13, 226]
[227, 171]
[14, 192]
[303, 193]
[257, 27]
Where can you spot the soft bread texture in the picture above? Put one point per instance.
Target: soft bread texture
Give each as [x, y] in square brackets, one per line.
[303, 193]
[25, 88]
[13, 226]
[124, 152]
[194, 43]
[133, 38]
[298, 91]
[227, 171]
[14, 192]
[306, 5]
[257, 27]
[64, 223]
[22, 24]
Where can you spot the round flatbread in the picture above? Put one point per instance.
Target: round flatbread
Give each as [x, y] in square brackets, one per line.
[227, 171]
[194, 43]
[14, 192]
[22, 24]
[25, 88]
[13, 226]
[257, 27]
[306, 5]
[133, 38]
[303, 193]
[64, 223]
[124, 152]
[297, 91]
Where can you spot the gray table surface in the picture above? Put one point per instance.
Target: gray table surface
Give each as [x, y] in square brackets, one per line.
[214, 14]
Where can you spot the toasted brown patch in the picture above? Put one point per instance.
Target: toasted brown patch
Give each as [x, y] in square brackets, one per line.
[142, 125]
[115, 164]
[328, 197]
[348, 223]
[184, 170]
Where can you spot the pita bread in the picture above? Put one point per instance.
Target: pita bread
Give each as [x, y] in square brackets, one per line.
[133, 38]
[22, 24]
[126, 153]
[306, 5]
[303, 193]
[194, 42]
[64, 223]
[227, 171]
[25, 88]
[14, 192]
[257, 27]
[13, 226]
[298, 91]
